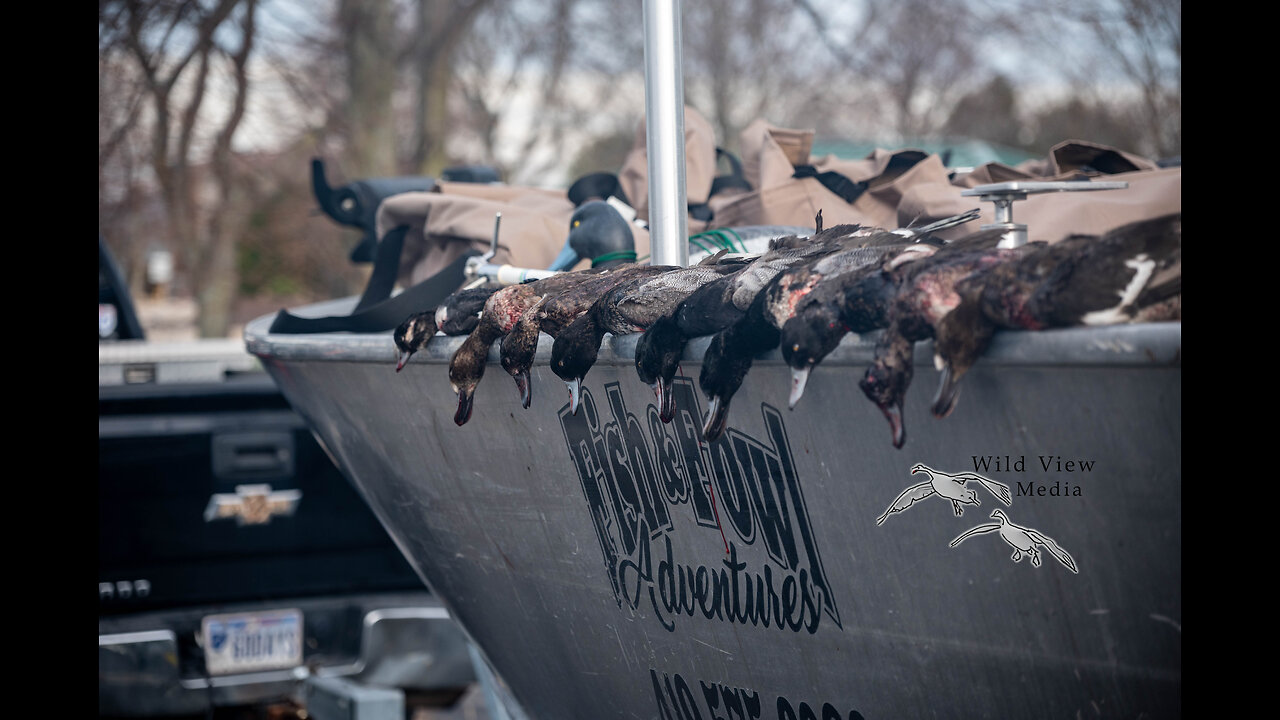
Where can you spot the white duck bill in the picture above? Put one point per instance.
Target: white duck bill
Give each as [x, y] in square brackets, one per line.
[798, 380]
[575, 387]
[713, 410]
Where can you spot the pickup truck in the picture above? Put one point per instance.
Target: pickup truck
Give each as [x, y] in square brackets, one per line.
[236, 564]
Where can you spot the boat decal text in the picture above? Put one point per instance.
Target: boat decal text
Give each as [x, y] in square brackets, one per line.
[638, 475]
[679, 700]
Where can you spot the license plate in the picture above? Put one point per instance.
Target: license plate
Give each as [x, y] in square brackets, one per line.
[252, 641]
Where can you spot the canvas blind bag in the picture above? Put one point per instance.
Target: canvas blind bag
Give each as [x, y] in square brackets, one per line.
[790, 187]
[1153, 191]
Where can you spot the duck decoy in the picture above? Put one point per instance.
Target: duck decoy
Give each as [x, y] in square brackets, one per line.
[948, 487]
[1023, 540]
[629, 307]
[596, 231]
[1132, 273]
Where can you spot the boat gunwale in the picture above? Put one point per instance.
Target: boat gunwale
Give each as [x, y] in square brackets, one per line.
[1138, 344]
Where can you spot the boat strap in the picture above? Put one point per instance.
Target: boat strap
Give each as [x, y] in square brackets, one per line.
[377, 311]
[848, 190]
[734, 180]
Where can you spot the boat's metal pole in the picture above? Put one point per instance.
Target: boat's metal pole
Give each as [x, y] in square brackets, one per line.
[664, 125]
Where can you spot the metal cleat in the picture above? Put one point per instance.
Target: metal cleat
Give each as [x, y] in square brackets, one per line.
[1004, 194]
[479, 270]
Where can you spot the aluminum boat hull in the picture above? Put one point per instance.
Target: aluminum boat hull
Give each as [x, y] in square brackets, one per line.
[578, 552]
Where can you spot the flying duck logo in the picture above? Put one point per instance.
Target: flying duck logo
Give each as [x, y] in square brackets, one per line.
[948, 487]
[952, 487]
[1023, 540]
[644, 488]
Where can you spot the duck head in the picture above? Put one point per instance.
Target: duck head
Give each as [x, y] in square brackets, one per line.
[921, 468]
[887, 380]
[806, 339]
[411, 335]
[962, 336]
[658, 354]
[463, 378]
[998, 514]
[518, 350]
[465, 371]
[574, 352]
[595, 229]
[723, 371]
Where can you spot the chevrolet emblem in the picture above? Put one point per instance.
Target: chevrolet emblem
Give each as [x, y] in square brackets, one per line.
[252, 504]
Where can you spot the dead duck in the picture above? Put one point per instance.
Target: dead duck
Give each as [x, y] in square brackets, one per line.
[707, 310]
[717, 306]
[466, 368]
[842, 249]
[501, 311]
[925, 293]
[629, 307]
[820, 317]
[457, 315]
[1130, 274]
[730, 355]
[857, 301]
[411, 335]
[460, 312]
[551, 314]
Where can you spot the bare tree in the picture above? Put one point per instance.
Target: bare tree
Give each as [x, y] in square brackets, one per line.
[521, 75]
[754, 59]
[1122, 58]
[370, 45]
[175, 46]
[442, 26]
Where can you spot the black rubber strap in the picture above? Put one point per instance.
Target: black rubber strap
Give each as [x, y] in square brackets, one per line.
[376, 311]
[847, 189]
[386, 265]
[735, 179]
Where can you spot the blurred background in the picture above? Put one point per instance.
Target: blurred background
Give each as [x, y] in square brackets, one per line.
[210, 110]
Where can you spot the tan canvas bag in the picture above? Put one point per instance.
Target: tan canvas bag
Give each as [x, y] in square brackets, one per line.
[791, 187]
[1152, 192]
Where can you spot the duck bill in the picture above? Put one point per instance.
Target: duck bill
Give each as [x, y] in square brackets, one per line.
[799, 378]
[463, 414]
[717, 418]
[524, 384]
[666, 400]
[575, 389]
[402, 358]
[893, 413]
[948, 392]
